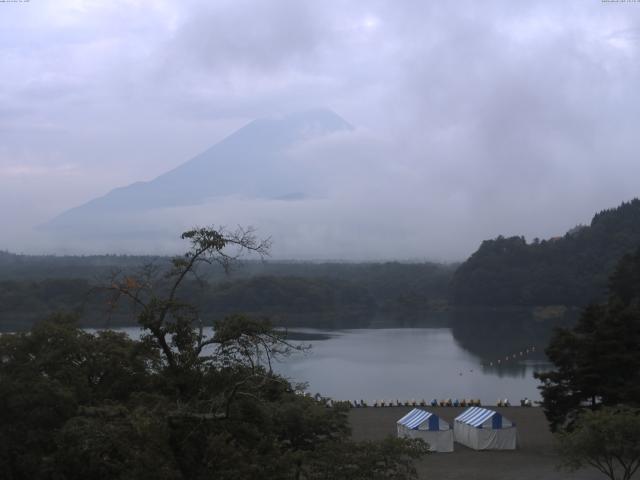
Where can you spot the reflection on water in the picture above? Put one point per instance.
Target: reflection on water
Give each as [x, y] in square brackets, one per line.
[363, 319]
[405, 364]
[458, 354]
[452, 355]
[509, 342]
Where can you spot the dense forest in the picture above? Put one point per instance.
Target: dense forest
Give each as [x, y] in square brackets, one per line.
[179, 403]
[32, 287]
[570, 270]
[597, 360]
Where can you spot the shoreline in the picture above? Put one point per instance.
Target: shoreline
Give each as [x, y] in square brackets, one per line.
[534, 459]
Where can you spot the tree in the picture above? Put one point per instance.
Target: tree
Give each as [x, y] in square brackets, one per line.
[567, 270]
[183, 402]
[54, 373]
[166, 319]
[607, 439]
[597, 361]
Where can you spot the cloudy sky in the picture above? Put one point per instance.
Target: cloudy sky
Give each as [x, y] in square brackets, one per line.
[473, 118]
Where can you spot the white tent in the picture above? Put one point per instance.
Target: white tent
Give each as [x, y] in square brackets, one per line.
[483, 429]
[429, 427]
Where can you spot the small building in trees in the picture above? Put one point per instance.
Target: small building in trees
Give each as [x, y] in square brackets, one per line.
[429, 427]
[483, 429]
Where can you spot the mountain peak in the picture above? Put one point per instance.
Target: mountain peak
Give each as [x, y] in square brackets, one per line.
[251, 162]
[327, 119]
[282, 131]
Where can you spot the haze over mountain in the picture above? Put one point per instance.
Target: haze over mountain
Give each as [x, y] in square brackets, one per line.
[268, 163]
[252, 163]
[473, 119]
[319, 187]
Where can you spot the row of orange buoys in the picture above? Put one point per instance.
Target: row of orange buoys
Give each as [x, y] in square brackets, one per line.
[514, 356]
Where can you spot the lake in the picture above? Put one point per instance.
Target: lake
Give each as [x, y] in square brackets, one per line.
[410, 363]
[417, 363]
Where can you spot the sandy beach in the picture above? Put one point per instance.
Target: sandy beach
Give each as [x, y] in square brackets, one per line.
[534, 458]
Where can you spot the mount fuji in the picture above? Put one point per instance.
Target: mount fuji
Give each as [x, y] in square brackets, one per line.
[252, 162]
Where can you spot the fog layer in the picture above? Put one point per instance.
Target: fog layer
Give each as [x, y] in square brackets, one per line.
[472, 119]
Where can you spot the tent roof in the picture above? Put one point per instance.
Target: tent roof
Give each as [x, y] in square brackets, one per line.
[414, 418]
[475, 416]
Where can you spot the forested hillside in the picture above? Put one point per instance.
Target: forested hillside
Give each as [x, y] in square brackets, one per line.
[33, 287]
[570, 270]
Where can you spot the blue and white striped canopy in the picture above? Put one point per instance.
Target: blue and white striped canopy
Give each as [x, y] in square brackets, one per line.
[417, 417]
[476, 416]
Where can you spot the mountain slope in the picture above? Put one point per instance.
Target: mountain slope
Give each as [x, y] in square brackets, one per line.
[251, 162]
[571, 270]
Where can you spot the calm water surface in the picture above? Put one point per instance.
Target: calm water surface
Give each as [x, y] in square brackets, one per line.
[410, 363]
